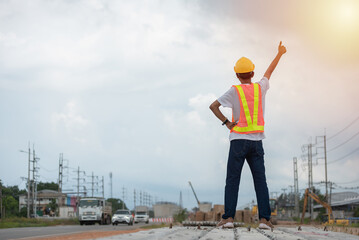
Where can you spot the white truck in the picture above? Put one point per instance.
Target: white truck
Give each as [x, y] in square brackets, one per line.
[94, 210]
[141, 214]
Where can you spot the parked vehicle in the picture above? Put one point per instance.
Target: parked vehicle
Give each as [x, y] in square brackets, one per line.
[122, 216]
[142, 217]
[94, 210]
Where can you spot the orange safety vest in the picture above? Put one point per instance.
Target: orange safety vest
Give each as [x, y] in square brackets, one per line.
[251, 115]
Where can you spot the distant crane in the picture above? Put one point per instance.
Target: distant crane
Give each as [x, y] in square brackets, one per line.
[194, 193]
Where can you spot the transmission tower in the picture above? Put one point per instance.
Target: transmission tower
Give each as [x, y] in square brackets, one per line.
[140, 198]
[78, 179]
[103, 187]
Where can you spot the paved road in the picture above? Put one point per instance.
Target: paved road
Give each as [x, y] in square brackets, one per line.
[23, 233]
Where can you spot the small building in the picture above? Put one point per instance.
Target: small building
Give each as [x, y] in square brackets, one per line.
[66, 204]
[165, 209]
[343, 204]
[205, 207]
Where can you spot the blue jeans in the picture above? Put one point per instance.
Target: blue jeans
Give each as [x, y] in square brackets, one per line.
[253, 152]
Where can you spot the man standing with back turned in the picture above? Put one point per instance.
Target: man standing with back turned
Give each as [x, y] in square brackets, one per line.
[247, 101]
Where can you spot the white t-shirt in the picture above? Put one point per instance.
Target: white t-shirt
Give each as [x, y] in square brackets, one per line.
[230, 99]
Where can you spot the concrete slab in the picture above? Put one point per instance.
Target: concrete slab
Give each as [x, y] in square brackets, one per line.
[215, 233]
[211, 233]
[312, 233]
[245, 234]
[176, 233]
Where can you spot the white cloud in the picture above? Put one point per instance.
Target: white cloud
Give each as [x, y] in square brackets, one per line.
[74, 124]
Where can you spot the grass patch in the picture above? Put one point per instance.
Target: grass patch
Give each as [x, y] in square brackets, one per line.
[153, 226]
[35, 222]
[305, 220]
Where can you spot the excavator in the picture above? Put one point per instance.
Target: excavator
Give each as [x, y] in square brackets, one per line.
[307, 194]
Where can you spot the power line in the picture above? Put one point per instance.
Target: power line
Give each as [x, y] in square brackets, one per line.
[352, 188]
[339, 159]
[344, 142]
[343, 129]
[357, 180]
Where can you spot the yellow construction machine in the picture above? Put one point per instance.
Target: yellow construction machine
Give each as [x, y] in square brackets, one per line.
[274, 208]
[330, 219]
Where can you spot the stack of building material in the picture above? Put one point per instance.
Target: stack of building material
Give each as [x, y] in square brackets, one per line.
[209, 216]
[247, 216]
[239, 216]
[218, 211]
[199, 216]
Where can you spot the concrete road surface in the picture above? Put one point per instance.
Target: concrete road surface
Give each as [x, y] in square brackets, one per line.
[27, 232]
[210, 233]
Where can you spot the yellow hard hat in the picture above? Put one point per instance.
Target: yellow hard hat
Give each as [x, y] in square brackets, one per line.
[244, 65]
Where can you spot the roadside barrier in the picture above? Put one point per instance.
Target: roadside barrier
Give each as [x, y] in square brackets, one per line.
[161, 220]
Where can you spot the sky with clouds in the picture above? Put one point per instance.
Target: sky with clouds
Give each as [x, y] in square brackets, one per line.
[125, 86]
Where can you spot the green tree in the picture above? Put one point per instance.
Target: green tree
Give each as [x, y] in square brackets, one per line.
[47, 186]
[13, 191]
[10, 195]
[180, 216]
[117, 204]
[356, 212]
[11, 206]
[23, 212]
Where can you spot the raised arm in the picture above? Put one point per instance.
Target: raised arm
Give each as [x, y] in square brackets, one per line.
[272, 66]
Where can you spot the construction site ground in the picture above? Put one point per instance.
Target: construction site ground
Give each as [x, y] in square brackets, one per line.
[241, 233]
[281, 232]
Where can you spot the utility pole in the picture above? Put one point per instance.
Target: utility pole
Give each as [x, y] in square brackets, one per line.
[78, 184]
[134, 199]
[61, 165]
[111, 184]
[325, 162]
[28, 184]
[1, 200]
[310, 177]
[34, 182]
[296, 189]
[326, 172]
[180, 201]
[28, 179]
[330, 194]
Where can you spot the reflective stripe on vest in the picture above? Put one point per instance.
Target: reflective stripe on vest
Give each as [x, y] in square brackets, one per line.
[251, 116]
